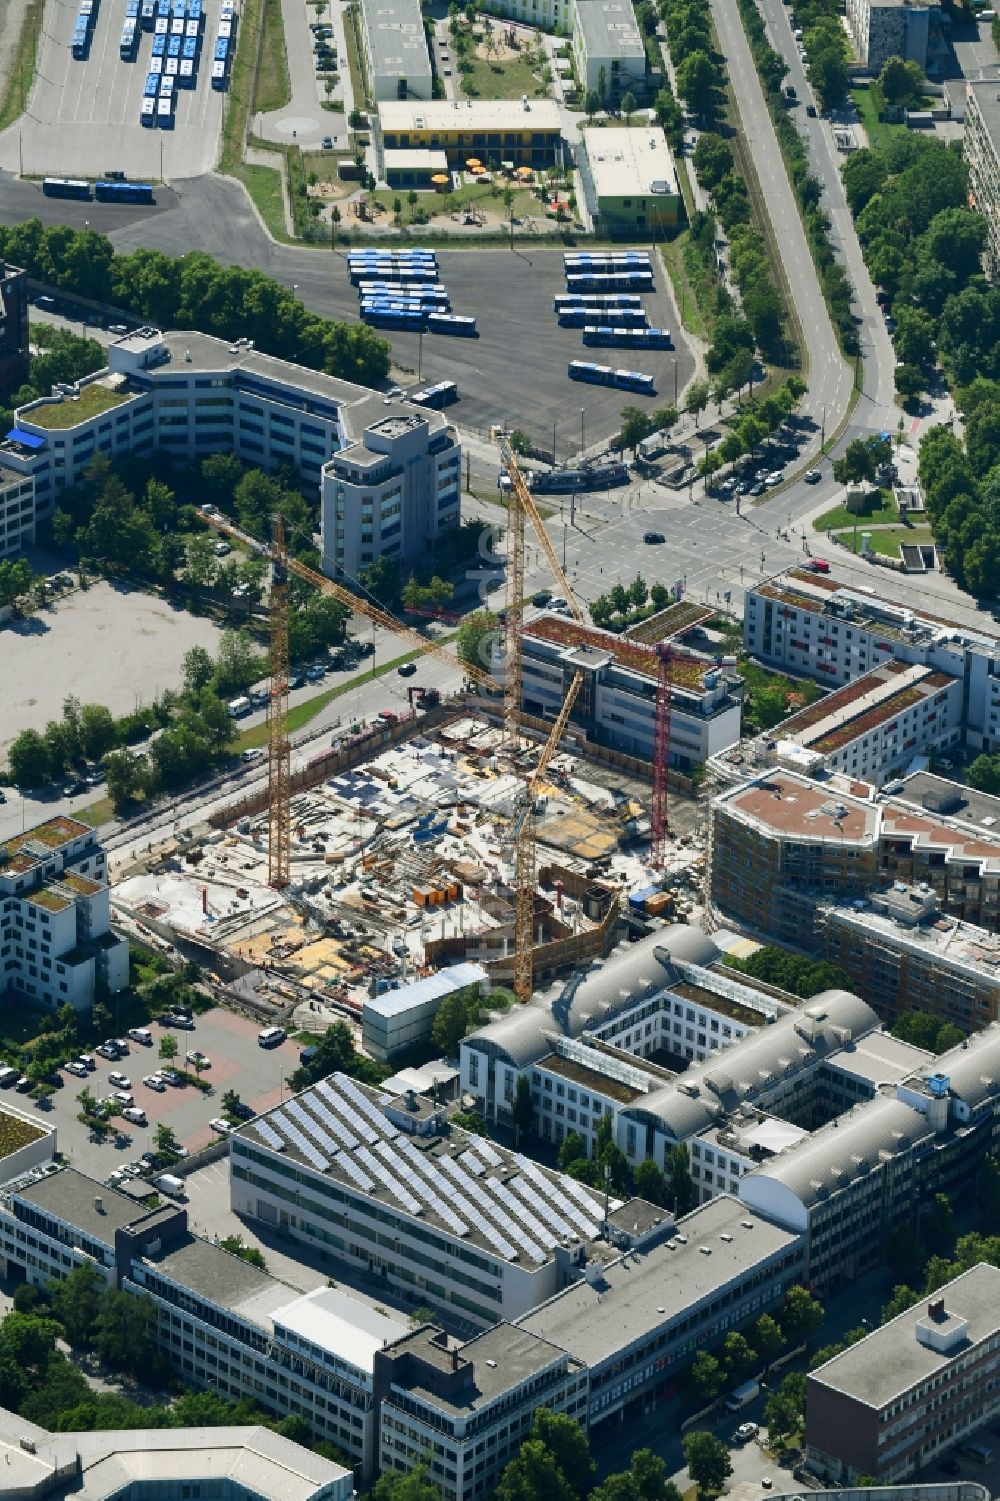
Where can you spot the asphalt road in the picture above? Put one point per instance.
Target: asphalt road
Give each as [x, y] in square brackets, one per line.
[830, 378]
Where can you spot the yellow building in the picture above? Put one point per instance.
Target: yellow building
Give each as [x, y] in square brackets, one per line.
[524, 132]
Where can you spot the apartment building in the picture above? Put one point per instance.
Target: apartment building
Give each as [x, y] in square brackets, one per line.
[56, 939]
[812, 625]
[890, 28]
[191, 395]
[609, 51]
[391, 494]
[465, 1410]
[638, 1321]
[547, 15]
[897, 1401]
[387, 1186]
[872, 727]
[17, 513]
[395, 49]
[981, 149]
[617, 703]
[146, 1464]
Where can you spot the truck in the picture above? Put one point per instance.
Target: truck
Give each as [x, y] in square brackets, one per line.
[742, 1396]
[168, 1184]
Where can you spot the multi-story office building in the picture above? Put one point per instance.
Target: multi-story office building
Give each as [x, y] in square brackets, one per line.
[617, 702]
[161, 1464]
[872, 727]
[890, 28]
[464, 1411]
[443, 1218]
[895, 1402]
[17, 513]
[56, 939]
[981, 149]
[810, 624]
[395, 48]
[846, 1186]
[191, 394]
[637, 1322]
[609, 51]
[13, 327]
[391, 494]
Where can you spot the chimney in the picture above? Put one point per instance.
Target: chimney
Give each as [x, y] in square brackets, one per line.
[935, 1310]
[454, 1360]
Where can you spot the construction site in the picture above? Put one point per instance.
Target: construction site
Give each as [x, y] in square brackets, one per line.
[474, 833]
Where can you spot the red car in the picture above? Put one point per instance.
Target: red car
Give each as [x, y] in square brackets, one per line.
[818, 565]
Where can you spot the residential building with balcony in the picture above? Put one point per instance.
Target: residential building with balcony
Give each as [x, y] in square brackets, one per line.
[897, 1401]
[395, 49]
[981, 150]
[609, 51]
[56, 939]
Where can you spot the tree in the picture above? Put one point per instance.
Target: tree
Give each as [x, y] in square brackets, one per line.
[706, 1376]
[649, 1182]
[780, 1418]
[739, 1355]
[414, 1486]
[663, 419]
[801, 1315]
[239, 664]
[76, 1303]
[903, 1297]
[125, 1332]
[902, 1252]
[629, 106]
[97, 731]
[638, 591]
[166, 1142]
[680, 1186]
[475, 638]
[232, 1105]
[634, 427]
[456, 1016]
[829, 73]
[168, 1047]
[592, 105]
[572, 1149]
[197, 668]
[567, 1443]
[522, 1110]
[767, 1339]
[649, 1472]
[201, 564]
[900, 82]
[124, 776]
[713, 159]
[707, 1460]
[29, 759]
[988, 1194]
[697, 80]
[236, 1246]
[698, 395]
[939, 1225]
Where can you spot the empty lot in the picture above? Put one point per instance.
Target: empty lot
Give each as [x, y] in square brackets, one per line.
[107, 645]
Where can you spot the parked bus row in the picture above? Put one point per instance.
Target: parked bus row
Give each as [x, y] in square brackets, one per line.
[597, 258]
[565, 300]
[83, 29]
[638, 280]
[416, 319]
[582, 317]
[603, 375]
[440, 395]
[627, 338]
[105, 190]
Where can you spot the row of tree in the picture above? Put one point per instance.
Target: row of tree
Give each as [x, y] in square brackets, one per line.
[755, 424]
[741, 1354]
[792, 972]
[195, 291]
[963, 500]
[698, 68]
[621, 604]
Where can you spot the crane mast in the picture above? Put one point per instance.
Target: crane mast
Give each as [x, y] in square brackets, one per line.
[279, 807]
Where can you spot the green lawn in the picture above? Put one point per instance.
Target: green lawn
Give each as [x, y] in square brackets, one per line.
[264, 186]
[691, 314]
[274, 89]
[887, 542]
[96, 813]
[21, 70]
[298, 716]
[839, 517]
[879, 133]
[454, 201]
[490, 79]
[354, 60]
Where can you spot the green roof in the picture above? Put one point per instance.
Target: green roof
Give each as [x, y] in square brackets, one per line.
[93, 400]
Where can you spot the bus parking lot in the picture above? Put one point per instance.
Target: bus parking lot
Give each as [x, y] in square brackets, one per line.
[258, 1075]
[83, 115]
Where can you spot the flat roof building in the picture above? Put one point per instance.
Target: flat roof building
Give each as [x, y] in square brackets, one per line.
[630, 178]
[609, 50]
[638, 1321]
[897, 1401]
[981, 150]
[527, 133]
[399, 1019]
[395, 48]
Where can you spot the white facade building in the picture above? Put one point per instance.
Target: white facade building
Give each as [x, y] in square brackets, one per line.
[192, 395]
[548, 15]
[400, 1019]
[608, 49]
[396, 56]
[56, 939]
[17, 513]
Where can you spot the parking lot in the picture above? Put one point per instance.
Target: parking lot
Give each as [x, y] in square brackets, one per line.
[257, 1074]
[83, 116]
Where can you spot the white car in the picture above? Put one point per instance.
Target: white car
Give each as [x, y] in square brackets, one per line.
[153, 1081]
[123, 1097]
[73, 1067]
[197, 1056]
[133, 1116]
[223, 1127]
[121, 1081]
[222, 549]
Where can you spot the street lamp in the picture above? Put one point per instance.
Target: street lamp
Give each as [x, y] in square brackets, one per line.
[583, 431]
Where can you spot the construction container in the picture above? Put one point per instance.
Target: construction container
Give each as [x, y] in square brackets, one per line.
[638, 900]
[662, 902]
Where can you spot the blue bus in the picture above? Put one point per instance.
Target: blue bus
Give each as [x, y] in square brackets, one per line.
[174, 46]
[160, 46]
[634, 380]
[147, 112]
[452, 323]
[221, 53]
[147, 14]
[124, 192]
[185, 74]
[594, 258]
[65, 187]
[609, 281]
[412, 273]
[163, 10]
[441, 395]
[194, 11]
[131, 10]
[177, 28]
[583, 317]
[381, 315]
[219, 73]
[189, 51]
[156, 65]
[429, 293]
[627, 338]
[129, 42]
[81, 42]
[594, 375]
[165, 111]
[152, 86]
[595, 300]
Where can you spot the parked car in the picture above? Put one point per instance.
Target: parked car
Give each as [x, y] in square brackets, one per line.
[153, 1081]
[406, 669]
[122, 1081]
[811, 111]
[134, 1116]
[122, 1096]
[222, 549]
[141, 1034]
[745, 1432]
[23, 1084]
[653, 538]
[89, 1062]
[817, 565]
[197, 1056]
[73, 1067]
[171, 1076]
[221, 1126]
[327, 143]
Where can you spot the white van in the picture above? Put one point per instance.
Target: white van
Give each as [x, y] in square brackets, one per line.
[9, 1076]
[270, 1037]
[239, 707]
[168, 1184]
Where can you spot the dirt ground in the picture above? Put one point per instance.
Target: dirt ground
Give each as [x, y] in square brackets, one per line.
[107, 645]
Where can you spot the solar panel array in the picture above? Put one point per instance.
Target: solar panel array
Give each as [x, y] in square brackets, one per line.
[335, 1124]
